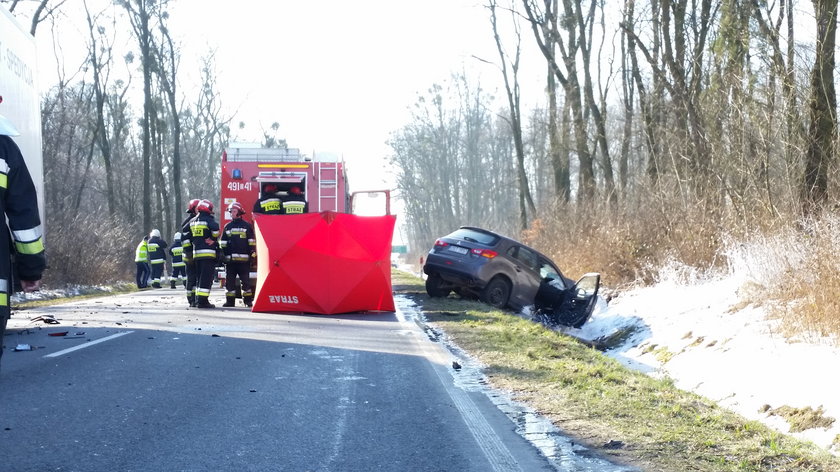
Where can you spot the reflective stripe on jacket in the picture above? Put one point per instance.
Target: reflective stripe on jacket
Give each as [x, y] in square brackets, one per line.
[204, 234]
[19, 205]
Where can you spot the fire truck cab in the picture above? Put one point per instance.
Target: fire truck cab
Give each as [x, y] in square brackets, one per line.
[247, 168]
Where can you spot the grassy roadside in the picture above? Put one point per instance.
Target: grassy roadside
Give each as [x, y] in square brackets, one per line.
[625, 415]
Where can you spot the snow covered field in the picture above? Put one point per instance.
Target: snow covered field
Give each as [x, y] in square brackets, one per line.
[732, 356]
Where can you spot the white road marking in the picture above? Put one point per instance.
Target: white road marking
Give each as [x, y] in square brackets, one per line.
[82, 346]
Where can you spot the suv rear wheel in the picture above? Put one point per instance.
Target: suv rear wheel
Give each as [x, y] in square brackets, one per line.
[435, 286]
[497, 292]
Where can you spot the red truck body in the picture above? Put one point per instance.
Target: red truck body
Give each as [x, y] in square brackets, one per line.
[246, 169]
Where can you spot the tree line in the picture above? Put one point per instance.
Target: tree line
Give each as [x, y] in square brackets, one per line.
[664, 105]
[124, 147]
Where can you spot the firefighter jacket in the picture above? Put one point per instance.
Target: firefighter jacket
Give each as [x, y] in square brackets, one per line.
[177, 253]
[204, 236]
[186, 244]
[22, 244]
[141, 254]
[269, 205]
[237, 241]
[295, 205]
[157, 250]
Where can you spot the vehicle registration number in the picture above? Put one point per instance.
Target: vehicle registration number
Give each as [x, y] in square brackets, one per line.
[458, 249]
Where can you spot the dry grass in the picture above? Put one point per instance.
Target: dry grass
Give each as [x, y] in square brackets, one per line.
[89, 250]
[791, 266]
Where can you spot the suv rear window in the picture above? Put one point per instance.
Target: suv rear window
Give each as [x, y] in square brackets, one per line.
[474, 236]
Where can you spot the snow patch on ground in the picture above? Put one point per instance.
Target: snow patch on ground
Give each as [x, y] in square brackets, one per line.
[732, 356]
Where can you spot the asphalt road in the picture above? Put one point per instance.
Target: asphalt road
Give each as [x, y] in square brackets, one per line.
[151, 385]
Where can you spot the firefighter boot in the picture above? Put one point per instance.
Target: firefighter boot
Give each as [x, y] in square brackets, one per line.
[248, 301]
[191, 299]
[171, 284]
[231, 301]
[201, 302]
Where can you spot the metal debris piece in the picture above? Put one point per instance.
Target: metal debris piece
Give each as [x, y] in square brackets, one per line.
[49, 319]
[23, 347]
[59, 333]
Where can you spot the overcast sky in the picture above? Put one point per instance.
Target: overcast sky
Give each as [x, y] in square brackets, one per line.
[337, 76]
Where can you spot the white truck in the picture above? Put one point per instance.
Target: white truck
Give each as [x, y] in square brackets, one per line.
[21, 103]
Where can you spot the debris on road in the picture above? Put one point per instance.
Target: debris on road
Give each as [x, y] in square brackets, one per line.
[23, 347]
[48, 319]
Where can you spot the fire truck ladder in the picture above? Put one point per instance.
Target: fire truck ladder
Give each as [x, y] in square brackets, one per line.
[328, 186]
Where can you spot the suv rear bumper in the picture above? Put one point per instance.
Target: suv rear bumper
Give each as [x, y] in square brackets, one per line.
[452, 276]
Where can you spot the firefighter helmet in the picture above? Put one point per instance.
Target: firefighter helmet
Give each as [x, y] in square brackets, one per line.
[205, 206]
[176, 236]
[235, 206]
[155, 233]
[192, 205]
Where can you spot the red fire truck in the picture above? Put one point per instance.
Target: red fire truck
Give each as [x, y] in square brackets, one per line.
[246, 168]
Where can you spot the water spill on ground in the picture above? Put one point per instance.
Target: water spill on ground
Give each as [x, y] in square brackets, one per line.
[562, 452]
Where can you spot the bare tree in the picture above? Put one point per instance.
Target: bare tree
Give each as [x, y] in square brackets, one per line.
[169, 60]
[546, 27]
[511, 79]
[140, 14]
[822, 106]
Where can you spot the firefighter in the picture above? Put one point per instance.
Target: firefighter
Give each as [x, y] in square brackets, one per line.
[269, 202]
[239, 247]
[294, 203]
[141, 258]
[21, 242]
[187, 254]
[179, 267]
[204, 237]
[157, 256]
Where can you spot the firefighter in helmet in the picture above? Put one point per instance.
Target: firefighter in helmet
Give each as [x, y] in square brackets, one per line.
[21, 242]
[204, 235]
[179, 267]
[239, 247]
[294, 203]
[269, 202]
[187, 254]
[157, 256]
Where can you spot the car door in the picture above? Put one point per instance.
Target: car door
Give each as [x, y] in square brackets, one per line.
[525, 265]
[580, 301]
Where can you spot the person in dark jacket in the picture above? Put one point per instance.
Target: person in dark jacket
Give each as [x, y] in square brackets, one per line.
[204, 236]
[179, 267]
[269, 202]
[22, 256]
[294, 203]
[186, 244]
[239, 247]
[157, 256]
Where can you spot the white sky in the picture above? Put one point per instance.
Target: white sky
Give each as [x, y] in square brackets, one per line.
[337, 76]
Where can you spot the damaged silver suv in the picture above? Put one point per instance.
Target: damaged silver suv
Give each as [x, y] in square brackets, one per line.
[502, 272]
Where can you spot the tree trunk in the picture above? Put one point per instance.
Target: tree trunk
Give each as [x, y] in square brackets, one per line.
[822, 130]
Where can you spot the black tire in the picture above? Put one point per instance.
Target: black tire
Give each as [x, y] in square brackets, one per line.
[497, 292]
[435, 286]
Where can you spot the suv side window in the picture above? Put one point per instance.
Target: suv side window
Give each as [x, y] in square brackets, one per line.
[528, 258]
[547, 271]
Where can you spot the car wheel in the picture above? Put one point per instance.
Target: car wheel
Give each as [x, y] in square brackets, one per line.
[497, 292]
[435, 286]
